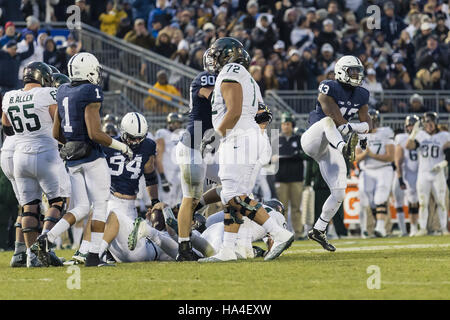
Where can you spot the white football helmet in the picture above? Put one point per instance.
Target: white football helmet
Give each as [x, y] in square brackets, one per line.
[208, 62]
[347, 69]
[134, 129]
[84, 66]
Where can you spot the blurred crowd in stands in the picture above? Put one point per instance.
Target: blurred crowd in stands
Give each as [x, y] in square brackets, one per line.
[293, 44]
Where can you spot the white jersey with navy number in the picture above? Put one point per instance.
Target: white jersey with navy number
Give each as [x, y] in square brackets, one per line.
[410, 157]
[28, 112]
[377, 143]
[431, 149]
[233, 72]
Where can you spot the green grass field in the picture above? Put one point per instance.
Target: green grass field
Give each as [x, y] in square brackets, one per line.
[410, 268]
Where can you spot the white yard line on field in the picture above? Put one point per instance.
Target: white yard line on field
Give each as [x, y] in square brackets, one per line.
[372, 248]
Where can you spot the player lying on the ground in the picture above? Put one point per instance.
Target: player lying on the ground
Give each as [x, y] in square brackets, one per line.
[207, 234]
[375, 178]
[433, 147]
[155, 246]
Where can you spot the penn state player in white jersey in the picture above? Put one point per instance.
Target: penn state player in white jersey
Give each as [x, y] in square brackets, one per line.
[375, 179]
[338, 101]
[234, 106]
[166, 164]
[404, 186]
[78, 126]
[433, 147]
[189, 158]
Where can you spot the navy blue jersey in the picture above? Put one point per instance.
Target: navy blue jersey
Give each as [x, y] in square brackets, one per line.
[349, 99]
[200, 109]
[72, 102]
[125, 176]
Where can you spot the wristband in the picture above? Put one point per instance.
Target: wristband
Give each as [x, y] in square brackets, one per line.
[155, 201]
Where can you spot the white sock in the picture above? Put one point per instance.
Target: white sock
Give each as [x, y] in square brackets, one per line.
[271, 226]
[29, 252]
[96, 240]
[229, 239]
[59, 228]
[180, 240]
[103, 246]
[413, 227]
[77, 233]
[363, 219]
[84, 247]
[401, 221]
[380, 226]
[321, 224]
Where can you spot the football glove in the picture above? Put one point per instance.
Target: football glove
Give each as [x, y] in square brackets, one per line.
[345, 129]
[210, 142]
[363, 143]
[164, 183]
[439, 166]
[414, 131]
[402, 183]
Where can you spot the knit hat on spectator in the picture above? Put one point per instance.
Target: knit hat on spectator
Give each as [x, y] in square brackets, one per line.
[11, 43]
[327, 47]
[9, 24]
[415, 97]
[388, 5]
[252, 3]
[209, 26]
[426, 26]
[371, 72]
[294, 51]
[327, 21]
[279, 45]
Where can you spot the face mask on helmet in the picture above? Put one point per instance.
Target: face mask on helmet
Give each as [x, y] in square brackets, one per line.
[132, 141]
[208, 62]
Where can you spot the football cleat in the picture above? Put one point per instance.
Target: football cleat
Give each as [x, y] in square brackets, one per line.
[185, 252]
[54, 260]
[349, 149]
[77, 258]
[321, 238]
[19, 260]
[422, 232]
[137, 233]
[258, 252]
[41, 249]
[364, 235]
[92, 260]
[225, 254]
[281, 241]
[33, 261]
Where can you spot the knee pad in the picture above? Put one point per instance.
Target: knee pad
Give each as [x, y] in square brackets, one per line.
[51, 219]
[80, 212]
[381, 208]
[34, 215]
[413, 210]
[17, 225]
[99, 211]
[235, 216]
[245, 207]
[338, 194]
[53, 204]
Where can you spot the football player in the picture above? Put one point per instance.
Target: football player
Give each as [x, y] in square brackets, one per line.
[433, 148]
[189, 158]
[338, 101]
[169, 172]
[77, 125]
[235, 128]
[406, 163]
[28, 114]
[375, 178]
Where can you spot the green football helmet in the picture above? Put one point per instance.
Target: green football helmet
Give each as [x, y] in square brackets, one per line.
[38, 72]
[228, 50]
[59, 79]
